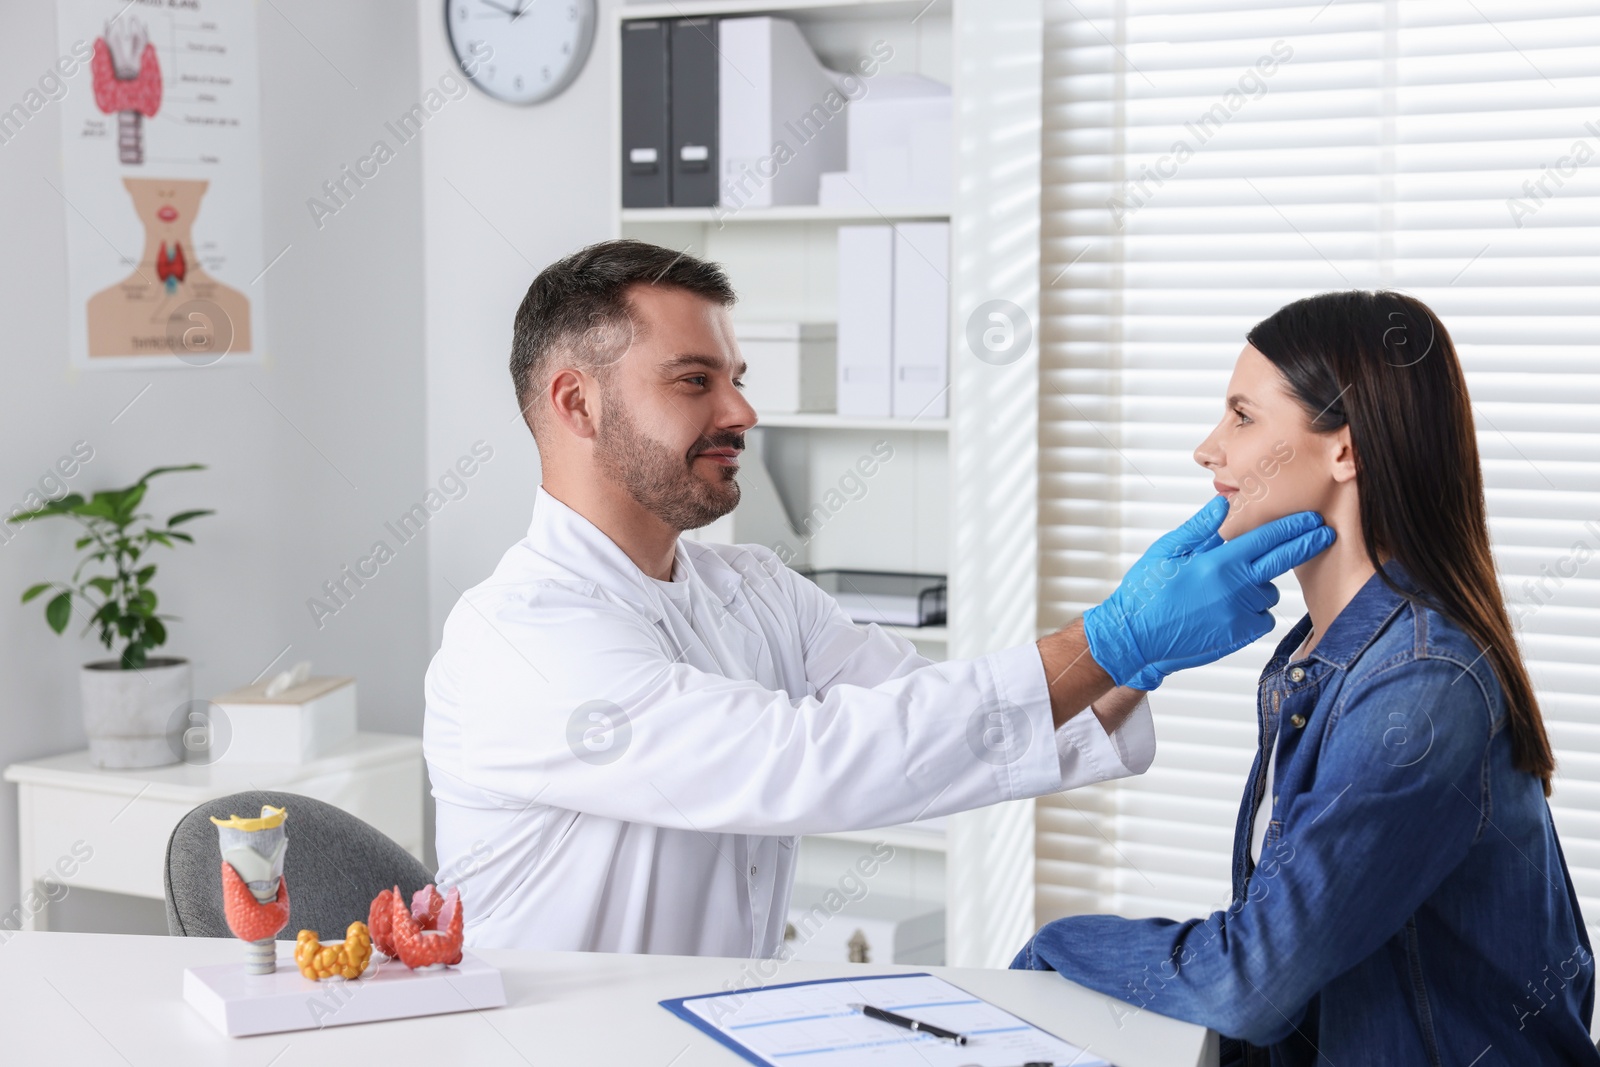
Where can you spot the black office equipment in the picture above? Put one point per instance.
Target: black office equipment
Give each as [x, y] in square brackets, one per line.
[889, 598]
[646, 102]
[694, 63]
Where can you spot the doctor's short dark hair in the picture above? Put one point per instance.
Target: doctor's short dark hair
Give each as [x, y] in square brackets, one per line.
[577, 312]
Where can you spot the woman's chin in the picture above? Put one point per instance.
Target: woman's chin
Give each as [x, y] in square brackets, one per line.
[1240, 520]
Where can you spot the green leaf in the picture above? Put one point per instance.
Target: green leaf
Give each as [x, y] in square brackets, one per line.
[157, 535]
[168, 470]
[129, 499]
[133, 657]
[103, 505]
[147, 597]
[156, 631]
[63, 506]
[180, 536]
[185, 516]
[106, 586]
[145, 574]
[83, 542]
[59, 611]
[35, 590]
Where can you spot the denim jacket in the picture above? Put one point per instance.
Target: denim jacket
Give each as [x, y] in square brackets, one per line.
[1411, 904]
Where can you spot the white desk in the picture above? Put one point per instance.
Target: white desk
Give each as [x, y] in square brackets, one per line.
[116, 999]
[67, 807]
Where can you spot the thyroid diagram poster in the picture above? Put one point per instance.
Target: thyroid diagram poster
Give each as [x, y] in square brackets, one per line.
[162, 181]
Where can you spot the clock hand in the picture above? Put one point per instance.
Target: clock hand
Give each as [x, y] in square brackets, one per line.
[502, 8]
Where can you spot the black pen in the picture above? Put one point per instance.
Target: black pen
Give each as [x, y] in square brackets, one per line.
[910, 1024]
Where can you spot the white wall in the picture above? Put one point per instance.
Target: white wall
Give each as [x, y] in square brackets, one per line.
[506, 190]
[346, 373]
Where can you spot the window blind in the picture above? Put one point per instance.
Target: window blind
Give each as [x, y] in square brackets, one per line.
[1207, 162]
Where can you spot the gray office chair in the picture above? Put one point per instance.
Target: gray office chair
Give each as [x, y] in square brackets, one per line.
[335, 865]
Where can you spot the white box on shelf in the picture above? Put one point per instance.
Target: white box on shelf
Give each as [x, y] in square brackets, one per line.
[792, 366]
[900, 147]
[874, 929]
[921, 320]
[841, 189]
[866, 320]
[777, 132]
[300, 724]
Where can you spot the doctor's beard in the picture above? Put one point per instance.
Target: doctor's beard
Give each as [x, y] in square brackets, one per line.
[664, 482]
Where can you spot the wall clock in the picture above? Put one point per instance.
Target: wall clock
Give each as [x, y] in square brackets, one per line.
[520, 51]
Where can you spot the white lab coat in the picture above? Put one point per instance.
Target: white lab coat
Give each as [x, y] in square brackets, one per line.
[755, 711]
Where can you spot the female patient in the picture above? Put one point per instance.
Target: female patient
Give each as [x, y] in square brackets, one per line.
[1399, 894]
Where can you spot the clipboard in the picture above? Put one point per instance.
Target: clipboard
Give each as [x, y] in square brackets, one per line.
[809, 1023]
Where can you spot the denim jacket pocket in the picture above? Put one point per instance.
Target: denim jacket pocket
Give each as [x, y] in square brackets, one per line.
[1419, 990]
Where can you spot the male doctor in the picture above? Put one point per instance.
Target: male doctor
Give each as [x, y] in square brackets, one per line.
[627, 732]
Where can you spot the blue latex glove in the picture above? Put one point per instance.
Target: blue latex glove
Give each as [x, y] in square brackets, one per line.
[1193, 598]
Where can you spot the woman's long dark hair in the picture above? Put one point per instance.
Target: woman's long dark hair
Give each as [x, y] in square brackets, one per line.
[1383, 364]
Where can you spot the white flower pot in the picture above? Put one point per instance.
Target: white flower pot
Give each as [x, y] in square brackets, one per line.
[135, 718]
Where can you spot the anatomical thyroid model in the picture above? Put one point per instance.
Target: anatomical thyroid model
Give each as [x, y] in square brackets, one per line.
[426, 935]
[255, 897]
[127, 81]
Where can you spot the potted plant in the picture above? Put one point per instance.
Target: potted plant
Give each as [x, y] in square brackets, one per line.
[131, 704]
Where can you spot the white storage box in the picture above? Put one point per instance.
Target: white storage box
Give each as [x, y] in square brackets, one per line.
[792, 366]
[826, 927]
[774, 92]
[900, 147]
[300, 724]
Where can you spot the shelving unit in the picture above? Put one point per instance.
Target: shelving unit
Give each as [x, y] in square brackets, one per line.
[828, 421]
[783, 260]
[799, 10]
[710, 216]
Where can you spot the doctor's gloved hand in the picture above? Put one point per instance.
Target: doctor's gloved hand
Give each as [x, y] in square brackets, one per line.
[1193, 598]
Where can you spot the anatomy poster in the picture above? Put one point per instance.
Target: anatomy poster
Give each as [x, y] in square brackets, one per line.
[162, 182]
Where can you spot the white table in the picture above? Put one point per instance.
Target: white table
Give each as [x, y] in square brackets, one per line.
[80, 826]
[90, 999]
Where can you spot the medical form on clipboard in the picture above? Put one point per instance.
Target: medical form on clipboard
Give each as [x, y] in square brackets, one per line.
[815, 1025]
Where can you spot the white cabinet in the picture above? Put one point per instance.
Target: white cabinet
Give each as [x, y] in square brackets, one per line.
[851, 924]
[81, 826]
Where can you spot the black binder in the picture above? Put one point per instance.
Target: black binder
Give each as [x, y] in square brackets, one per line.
[693, 66]
[646, 134]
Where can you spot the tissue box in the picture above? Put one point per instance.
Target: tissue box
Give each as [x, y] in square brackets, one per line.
[792, 366]
[298, 725]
